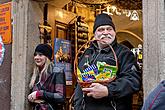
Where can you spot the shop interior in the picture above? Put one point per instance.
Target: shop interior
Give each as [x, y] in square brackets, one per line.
[68, 24]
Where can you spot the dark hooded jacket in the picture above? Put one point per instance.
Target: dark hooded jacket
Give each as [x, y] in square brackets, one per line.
[121, 89]
[156, 98]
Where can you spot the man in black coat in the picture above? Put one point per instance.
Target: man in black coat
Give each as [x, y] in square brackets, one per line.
[116, 95]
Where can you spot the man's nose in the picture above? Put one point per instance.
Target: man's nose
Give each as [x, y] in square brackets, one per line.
[106, 31]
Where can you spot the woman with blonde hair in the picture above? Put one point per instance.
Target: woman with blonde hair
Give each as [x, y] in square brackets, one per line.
[47, 82]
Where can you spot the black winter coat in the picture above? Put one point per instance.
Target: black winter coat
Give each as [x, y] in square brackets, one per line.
[121, 89]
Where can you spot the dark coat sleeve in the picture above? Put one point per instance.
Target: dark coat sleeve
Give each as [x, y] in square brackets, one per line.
[78, 97]
[128, 76]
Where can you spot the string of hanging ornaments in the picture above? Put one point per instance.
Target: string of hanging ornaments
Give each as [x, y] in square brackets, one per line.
[129, 8]
[93, 2]
[132, 14]
[122, 4]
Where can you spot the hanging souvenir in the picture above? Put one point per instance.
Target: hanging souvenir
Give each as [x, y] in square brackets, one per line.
[2, 51]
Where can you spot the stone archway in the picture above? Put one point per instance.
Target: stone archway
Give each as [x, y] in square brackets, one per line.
[133, 38]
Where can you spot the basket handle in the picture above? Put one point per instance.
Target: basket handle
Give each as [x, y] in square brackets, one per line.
[76, 59]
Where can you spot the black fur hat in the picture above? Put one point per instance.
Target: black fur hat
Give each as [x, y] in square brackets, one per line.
[103, 19]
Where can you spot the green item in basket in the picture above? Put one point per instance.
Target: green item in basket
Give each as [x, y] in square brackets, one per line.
[105, 71]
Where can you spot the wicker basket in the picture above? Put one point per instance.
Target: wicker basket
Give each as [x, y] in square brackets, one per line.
[87, 83]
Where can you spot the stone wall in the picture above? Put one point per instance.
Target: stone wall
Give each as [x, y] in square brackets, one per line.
[26, 17]
[154, 43]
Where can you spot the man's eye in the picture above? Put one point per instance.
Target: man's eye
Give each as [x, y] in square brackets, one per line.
[109, 29]
[101, 29]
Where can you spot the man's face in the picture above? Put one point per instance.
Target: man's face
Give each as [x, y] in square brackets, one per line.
[106, 34]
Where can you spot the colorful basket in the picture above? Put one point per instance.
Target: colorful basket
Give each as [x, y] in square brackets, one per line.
[105, 73]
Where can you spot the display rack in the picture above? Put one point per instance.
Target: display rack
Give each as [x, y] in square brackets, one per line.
[79, 34]
[138, 96]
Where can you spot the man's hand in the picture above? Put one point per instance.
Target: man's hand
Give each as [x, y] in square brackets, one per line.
[96, 90]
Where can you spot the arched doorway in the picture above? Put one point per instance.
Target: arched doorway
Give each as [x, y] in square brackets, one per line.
[125, 37]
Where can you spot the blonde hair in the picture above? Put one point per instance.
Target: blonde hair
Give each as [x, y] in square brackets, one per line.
[36, 72]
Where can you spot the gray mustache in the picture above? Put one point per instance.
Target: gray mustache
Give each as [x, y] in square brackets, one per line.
[105, 36]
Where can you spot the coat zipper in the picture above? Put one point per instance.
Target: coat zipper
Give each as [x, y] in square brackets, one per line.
[113, 105]
[96, 56]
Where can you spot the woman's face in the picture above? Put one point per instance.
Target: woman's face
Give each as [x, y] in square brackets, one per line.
[39, 59]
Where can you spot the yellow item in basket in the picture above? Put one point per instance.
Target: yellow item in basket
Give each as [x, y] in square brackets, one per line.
[103, 76]
[79, 74]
